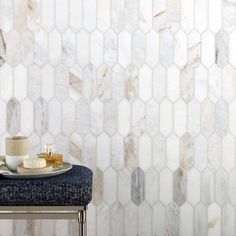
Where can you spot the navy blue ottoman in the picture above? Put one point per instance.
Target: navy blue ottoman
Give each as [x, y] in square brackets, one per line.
[64, 196]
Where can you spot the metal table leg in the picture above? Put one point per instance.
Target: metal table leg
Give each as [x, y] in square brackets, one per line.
[82, 221]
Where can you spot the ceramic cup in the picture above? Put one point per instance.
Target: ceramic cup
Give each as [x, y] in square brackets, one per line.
[17, 150]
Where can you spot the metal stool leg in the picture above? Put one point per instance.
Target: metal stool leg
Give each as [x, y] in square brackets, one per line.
[82, 223]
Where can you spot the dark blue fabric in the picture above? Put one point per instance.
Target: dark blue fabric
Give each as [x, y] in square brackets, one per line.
[73, 188]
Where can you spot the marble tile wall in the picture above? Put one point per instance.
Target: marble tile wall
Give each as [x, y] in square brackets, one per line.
[141, 91]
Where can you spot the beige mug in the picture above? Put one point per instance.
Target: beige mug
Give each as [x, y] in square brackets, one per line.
[17, 149]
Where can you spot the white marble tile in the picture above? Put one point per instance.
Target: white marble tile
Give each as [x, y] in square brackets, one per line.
[55, 47]
[172, 147]
[187, 15]
[103, 220]
[201, 15]
[124, 186]
[6, 82]
[47, 14]
[166, 186]
[103, 152]
[96, 50]
[208, 48]
[27, 117]
[96, 117]
[124, 48]
[117, 219]
[166, 116]
[82, 47]
[124, 117]
[89, 15]
[152, 48]
[193, 186]
[228, 152]
[145, 152]
[180, 117]
[173, 83]
[131, 219]
[186, 219]
[159, 213]
[76, 14]
[215, 15]
[145, 83]
[152, 118]
[54, 117]
[145, 219]
[214, 220]
[145, 15]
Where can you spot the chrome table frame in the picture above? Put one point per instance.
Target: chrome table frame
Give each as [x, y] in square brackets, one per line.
[47, 212]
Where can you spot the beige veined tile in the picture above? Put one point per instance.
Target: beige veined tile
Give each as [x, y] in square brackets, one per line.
[229, 84]
[145, 83]
[222, 48]
[214, 152]
[89, 15]
[193, 117]
[173, 83]
[103, 14]
[117, 152]
[110, 48]
[124, 186]
[159, 215]
[200, 220]
[75, 146]
[96, 117]
[232, 48]
[232, 186]
[68, 47]
[172, 219]
[75, 83]
[200, 152]
[90, 151]
[159, 152]
[145, 152]
[152, 48]
[27, 117]
[117, 15]
[124, 116]
[207, 118]
[201, 83]
[20, 82]
[13, 116]
[33, 12]
[201, 15]
[187, 83]
[117, 219]
[55, 47]
[186, 219]
[131, 82]
[179, 187]
[6, 82]
[48, 82]
[207, 187]
[180, 49]
[124, 48]
[208, 48]
[40, 116]
[54, 117]
[104, 83]
[173, 154]
[3, 117]
[68, 116]
[131, 15]
[145, 15]
[152, 118]
[227, 220]
[214, 220]
[159, 83]
[97, 187]
[20, 15]
[166, 117]
[138, 117]
[145, 219]
[76, 14]
[222, 118]
[47, 14]
[166, 48]
[13, 48]
[103, 220]
[173, 14]
[83, 44]
[193, 186]
[221, 188]
[7, 12]
[228, 152]
[166, 186]
[151, 186]
[215, 15]
[215, 83]
[139, 48]
[131, 219]
[103, 151]
[180, 117]
[27, 47]
[110, 117]
[159, 8]
[96, 50]
[187, 15]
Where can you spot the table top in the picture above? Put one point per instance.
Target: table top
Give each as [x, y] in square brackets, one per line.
[74, 188]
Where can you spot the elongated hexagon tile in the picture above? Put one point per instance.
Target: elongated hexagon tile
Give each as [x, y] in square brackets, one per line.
[103, 220]
[221, 118]
[103, 15]
[179, 187]
[34, 82]
[96, 117]
[2, 48]
[145, 15]
[180, 117]
[20, 82]
[193, 117]
[6, 82]
[172, 152]
[103, 151]
[117, 154]
[232, 186]
[208, 48]
[187, 16]
[145, 219]
[27, 48]
[76, 14]
[54, 117]
[61, 15]
[137, 186]
[13, 46]
[193, 186]
[90, 151]
[124, 186]
[68, 48]
[159, 83]
[98, 187]
[96, 48]
[187, 83]
[232, 116]
[34, 145]
[214, 152]
[75, 146]
[139, 48]
[151, 186]
[82, 46]
[40, 116]
[117, 219]
[172, 219]
[124, 48]
[166, 117]
[214, 220]
[145, 152]
[201, 15]
[152, 48]
[13, 116]
[7, 13]
[200, 220]
[221, 187]
[117, 17]
[173, 83]
[159, 14]
[201, 83]
[27, 117]
[131, 82]
[228, 152]
[152, 118]
[3, 117]
[131, 219]
[186, 216]
[215, 83]
[89, 11]
[180, 49]
[55, 47]
[159, 219]
[229, 85]
[166, 186]
[145, 83]
[200, 152]
[159, 152]
[227, 220]
[131, 15]
[207, 187]
[124, 116]
[68, 116]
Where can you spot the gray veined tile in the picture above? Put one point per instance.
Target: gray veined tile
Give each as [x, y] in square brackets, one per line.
[179, 187]
[131, 82]
[137, 186]
[172, 219]
[13, 116]
[200, 220]
[221, 187]
[207, 187]
[187, 83]
[222, 118]
[104, 83]
[159, 14]
[117, 219]
[2, 48]
[40, 116]
[159, 219]
[222, 48]
[97, 187]
[75, 146]
[117, 152]
[131, 152]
